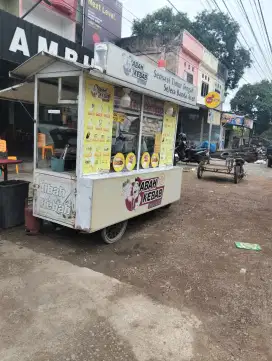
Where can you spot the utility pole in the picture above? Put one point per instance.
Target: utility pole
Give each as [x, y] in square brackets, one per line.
[34, 6]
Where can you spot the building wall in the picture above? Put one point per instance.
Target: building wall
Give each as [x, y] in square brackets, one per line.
[188, 65]
[51, 19]
[11, 6]
[153, 49]
[211, 77]
[210, 61]
[191, 53]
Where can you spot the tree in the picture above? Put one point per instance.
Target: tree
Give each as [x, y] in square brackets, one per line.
[161, 22]
[215, 30]
[255, 100]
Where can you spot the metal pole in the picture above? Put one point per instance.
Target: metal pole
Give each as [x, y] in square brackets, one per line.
[210, 116]
[34, 6]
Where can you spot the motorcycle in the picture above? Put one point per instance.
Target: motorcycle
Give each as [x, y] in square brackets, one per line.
[186, 154]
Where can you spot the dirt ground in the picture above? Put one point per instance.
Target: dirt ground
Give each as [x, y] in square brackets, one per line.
[185, 257]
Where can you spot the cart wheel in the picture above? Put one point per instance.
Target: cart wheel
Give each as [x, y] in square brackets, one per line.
[199, 171]
[114, 233]
[236, 174]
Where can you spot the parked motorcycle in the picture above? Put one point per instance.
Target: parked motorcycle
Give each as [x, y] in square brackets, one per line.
[188, 154]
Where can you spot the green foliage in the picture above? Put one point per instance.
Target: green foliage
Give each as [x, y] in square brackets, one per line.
[219, 34]
[256, 101]
[161, 22]
[215, 30]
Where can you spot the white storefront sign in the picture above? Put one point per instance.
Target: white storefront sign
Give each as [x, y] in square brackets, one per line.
[55, 198]
[127, 67]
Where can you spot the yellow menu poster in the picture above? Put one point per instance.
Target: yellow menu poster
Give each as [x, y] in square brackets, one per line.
[98, 120]
[168, 134]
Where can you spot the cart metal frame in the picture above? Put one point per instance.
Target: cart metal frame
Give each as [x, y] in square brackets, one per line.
[231, 165]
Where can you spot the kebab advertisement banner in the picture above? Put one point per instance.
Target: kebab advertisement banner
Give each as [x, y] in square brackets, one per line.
[168, 134]
[98, 119]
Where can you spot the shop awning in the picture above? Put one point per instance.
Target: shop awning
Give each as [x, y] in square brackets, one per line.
[24, 92]
[41, 61]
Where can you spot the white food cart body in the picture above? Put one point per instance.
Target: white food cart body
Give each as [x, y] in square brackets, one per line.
[91, 202]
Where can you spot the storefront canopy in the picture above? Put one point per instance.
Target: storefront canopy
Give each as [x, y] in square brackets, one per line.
[51, 65]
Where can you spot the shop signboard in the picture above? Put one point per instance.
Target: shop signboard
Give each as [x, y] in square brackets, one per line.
[236, 120]
[102, 21]
[20, 40]
[212, 100]
[129, 68]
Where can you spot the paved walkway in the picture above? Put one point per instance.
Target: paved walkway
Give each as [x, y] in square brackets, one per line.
[53, 310]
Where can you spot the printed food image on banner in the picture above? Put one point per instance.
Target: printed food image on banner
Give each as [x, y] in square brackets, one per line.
[145, 160]
[98, 120]
[168, 134]
[155, 160]
[143, 192]
[118, 117]
[118, 162]
[130, 161]
[157, 146]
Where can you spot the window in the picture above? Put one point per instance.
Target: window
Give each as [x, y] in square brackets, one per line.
[57, 124]
[204, 89]
[189, 67]
[202, 76]
[151, 132]
[217, 91]
[125, 132]
[190, 78]
[193, 69]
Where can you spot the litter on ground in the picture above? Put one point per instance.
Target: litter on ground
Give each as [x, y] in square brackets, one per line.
[250, 246]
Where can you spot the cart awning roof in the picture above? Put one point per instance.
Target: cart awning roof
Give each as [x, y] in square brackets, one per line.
[24, 92]
[40, 61]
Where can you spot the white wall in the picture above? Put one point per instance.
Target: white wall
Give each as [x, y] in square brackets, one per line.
[49, 20]
[210, 61]
[213, 81]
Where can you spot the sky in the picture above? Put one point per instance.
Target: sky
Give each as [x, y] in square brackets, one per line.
[260, 69]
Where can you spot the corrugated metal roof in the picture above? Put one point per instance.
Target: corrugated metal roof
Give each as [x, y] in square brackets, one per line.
[38, 62]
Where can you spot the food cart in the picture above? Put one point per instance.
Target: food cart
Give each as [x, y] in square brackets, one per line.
[104, 137]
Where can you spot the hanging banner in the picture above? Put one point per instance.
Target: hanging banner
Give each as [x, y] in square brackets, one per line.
[168, 134]
[236, 120]
[103, 22]
[98, 119]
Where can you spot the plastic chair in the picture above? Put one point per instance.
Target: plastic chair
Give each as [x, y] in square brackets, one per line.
[13, 157]
[3, 146]
[43, 146]
[3, 149]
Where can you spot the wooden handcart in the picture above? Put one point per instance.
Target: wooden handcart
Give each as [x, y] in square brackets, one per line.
[233, 166]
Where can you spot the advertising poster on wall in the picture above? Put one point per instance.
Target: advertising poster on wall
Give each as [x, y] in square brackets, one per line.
[168, 134]
[98, 119]
[103, 22]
